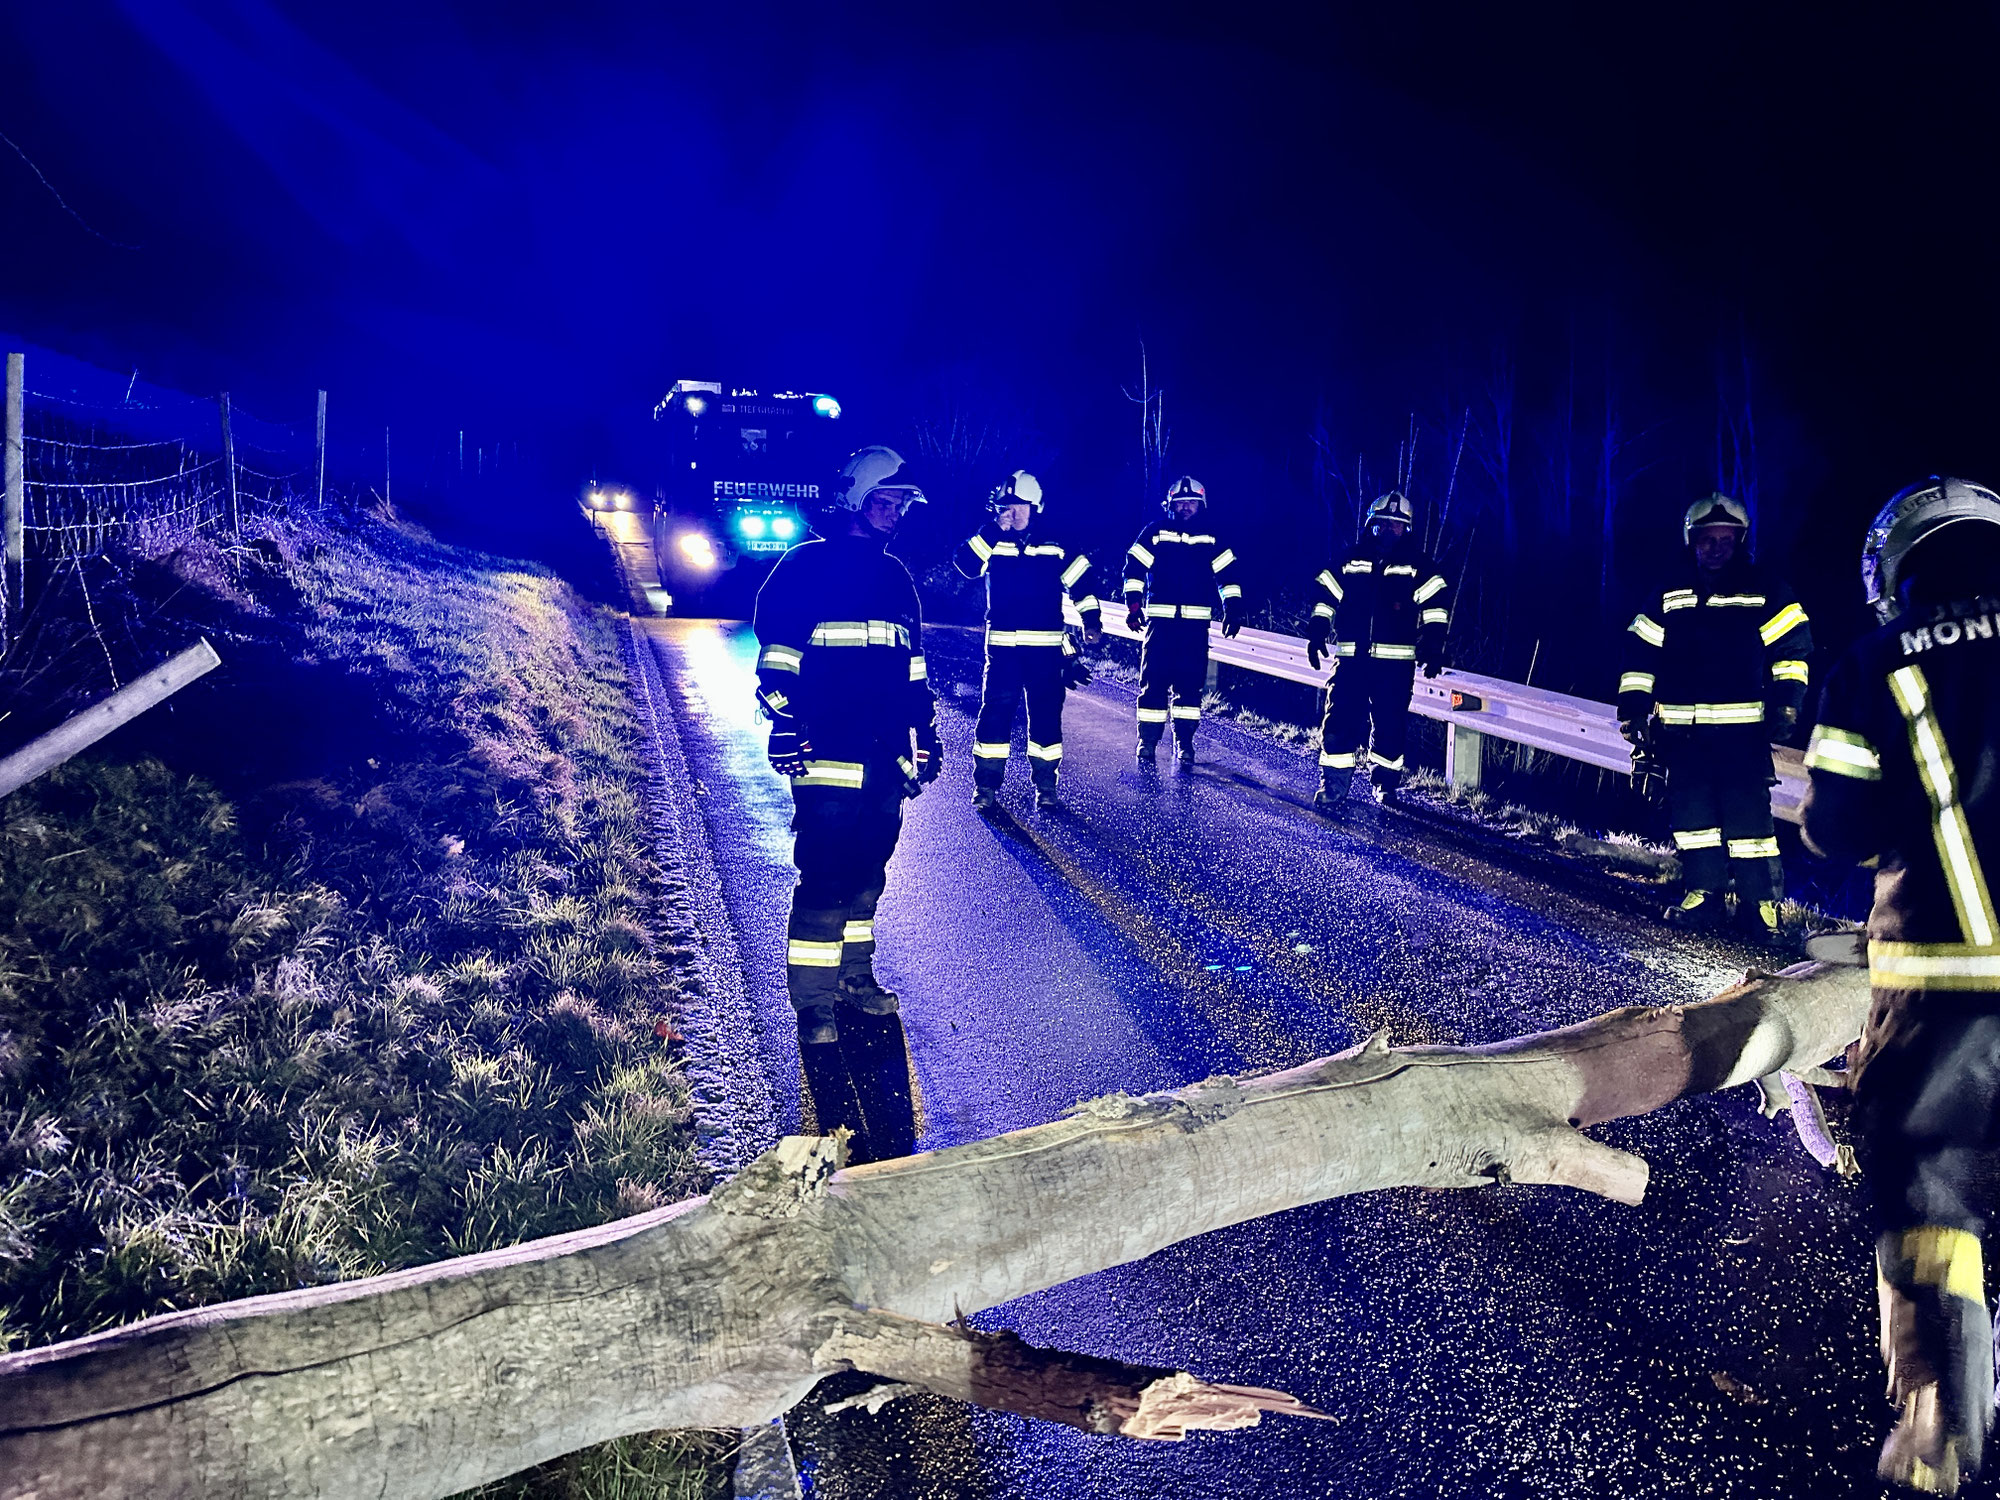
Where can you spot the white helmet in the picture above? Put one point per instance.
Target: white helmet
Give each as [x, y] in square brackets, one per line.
[1394, 506]
[1018, 488]
[868, 470]
[1715, 510]
[1187, 487]
[1910, 517]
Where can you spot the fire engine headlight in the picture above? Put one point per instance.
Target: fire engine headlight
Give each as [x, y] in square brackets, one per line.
[696, 549]
[696, 406]
[622, 500]
[597, 500]
[826, 406]
[783, 527]
[751, 525]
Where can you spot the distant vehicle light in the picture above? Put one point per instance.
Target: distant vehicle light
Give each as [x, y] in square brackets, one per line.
[696, 406]
[597, 500]
[783, 526]
[696, 548]
[622, 500]
[826, 406]
[751, 525]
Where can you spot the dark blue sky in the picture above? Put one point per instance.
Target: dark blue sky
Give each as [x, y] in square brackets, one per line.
[526, 220]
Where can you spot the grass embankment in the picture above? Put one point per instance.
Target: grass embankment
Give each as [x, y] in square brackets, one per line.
[353, 961]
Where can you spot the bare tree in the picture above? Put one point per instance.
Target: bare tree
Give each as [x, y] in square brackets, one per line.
[1154, 434]
[1495, 446]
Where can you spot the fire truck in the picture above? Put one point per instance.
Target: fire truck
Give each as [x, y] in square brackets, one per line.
[745, 469]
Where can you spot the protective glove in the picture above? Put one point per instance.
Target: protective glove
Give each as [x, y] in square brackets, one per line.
[1432, 666]
[788, 751]
[1316, 643]
[1093, 631]
[1780, 719]
[1231, 620]
[1135, 614]
[1634, 731]
[1075, 672]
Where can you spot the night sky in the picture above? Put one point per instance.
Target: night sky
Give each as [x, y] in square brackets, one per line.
[526, 221]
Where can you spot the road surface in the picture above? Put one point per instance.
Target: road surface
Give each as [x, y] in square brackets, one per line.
[1161, 929]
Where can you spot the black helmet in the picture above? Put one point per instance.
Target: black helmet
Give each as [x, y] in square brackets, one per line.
[1911, 516]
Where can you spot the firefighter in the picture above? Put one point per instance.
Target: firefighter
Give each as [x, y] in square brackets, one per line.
[841, 675]
[1174, 574]
[1905, 772]
[1715, 671]
[1028, 648]
[1386, 609]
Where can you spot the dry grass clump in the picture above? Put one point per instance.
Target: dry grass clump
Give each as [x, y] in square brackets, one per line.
[319, 1027]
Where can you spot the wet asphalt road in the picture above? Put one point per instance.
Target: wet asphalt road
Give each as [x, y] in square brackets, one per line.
[1163, 928]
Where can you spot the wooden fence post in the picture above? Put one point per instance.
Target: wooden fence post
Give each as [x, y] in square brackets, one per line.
[229, 464]
[319, 437]
[388, 501]
[16, 478]
[83, 730]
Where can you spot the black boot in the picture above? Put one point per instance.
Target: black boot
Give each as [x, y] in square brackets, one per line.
[1332, 794]
[1149, 744]
[1184, 752]
[817, 1026]
[1699, 911]
[862, 991]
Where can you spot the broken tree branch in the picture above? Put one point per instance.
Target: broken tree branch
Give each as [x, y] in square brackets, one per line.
[725, 1311]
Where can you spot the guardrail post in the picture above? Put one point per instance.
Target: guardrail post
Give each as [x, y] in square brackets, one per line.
[16, 470]
[1463, 751]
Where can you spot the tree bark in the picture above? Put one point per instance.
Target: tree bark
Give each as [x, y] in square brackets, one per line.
[724, 1311]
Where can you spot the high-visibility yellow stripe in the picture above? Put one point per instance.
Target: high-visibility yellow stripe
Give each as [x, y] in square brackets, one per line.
[1231, 591]
[1043, 549]
[1843, 753]
[1712, 713]
[1434, 617]
[1145, 557]
[1697, 838]
[858, 932]
[1782, 623]
[1933, 966]
[775, 701]
[1678, 599]
[1753, 849]
[1152, 716]
[1197, 611]
[919, 669]
[1338, 760]
[1748, 601]
[981, 547]
[1948, 1259]
[1382, 652]
[1359, 565]
[1344, 648]
[1006, 549]
[1322, 611]
[1964, 874]
[1636, 682]
[847, 773]
[1187, 711]
[803, 954]
[780, 659]
[1161, 611]
[1045, 752]
[1075, 571]
[1134, 586]
[1789, 671]
[860, 633]
[990, 749]
[1647, 631]
[1405, 570]
[1431, 587]
[1222, 560]
[1327, 581]
[1383, 761]
[1024, 637]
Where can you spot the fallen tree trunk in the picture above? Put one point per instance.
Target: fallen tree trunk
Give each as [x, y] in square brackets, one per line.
[724, 1311]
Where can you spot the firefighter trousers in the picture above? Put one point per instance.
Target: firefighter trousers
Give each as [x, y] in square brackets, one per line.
[1927, 1122]
[843, 839]
[1173, 664]
[1011, 673]
[1365, 691]
[1719, 807]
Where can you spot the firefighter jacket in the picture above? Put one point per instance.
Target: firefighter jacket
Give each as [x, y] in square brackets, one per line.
[1028, 575]
[1386, 600]
[842, 663]
[1714, 652]
[1905, 765]
[1180, 573]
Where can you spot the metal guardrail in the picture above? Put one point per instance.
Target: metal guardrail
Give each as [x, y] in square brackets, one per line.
[1472, 706]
